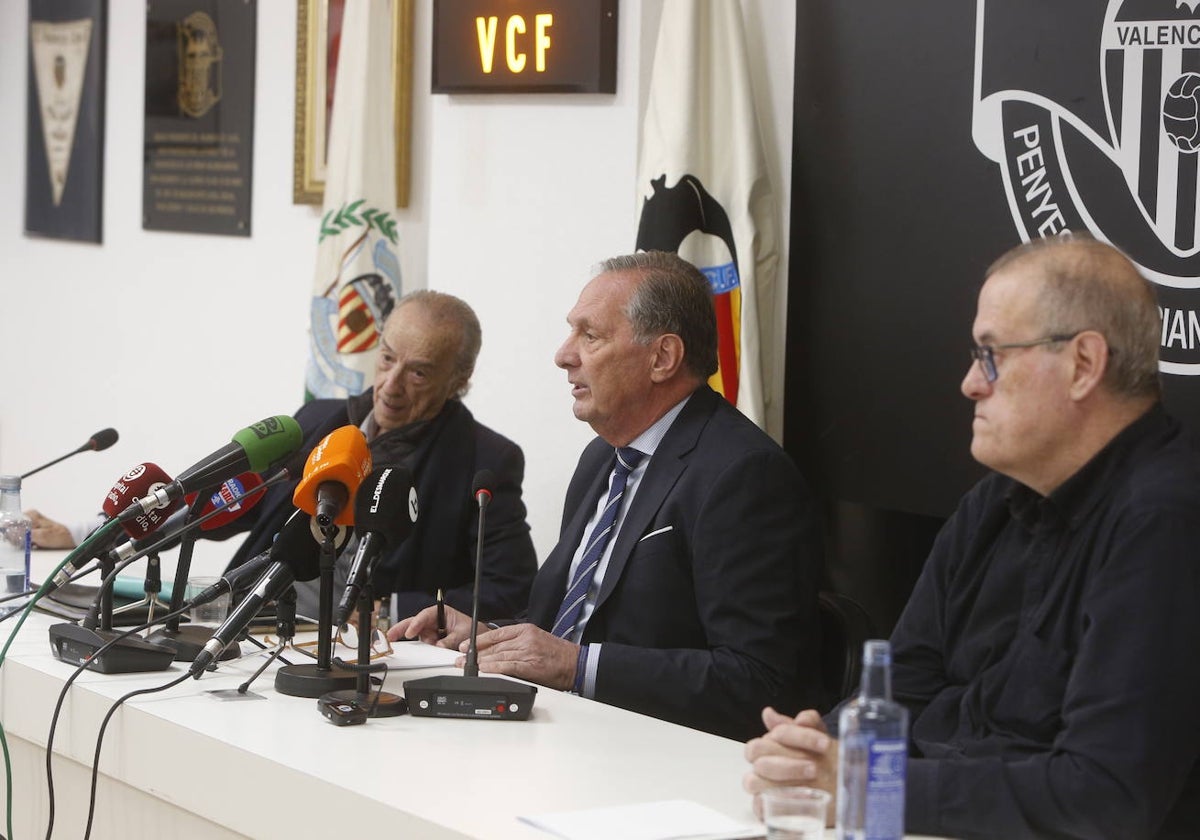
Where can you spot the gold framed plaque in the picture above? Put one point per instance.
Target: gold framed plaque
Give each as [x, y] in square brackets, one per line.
[318, 33]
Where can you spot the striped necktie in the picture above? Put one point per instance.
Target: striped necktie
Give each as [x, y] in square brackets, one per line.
[572, 605]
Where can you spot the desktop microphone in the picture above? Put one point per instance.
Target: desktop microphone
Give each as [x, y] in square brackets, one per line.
[334, 470]
[470, 695]
[385, 509]
[293, 557]
[96, 443]
[255, 448]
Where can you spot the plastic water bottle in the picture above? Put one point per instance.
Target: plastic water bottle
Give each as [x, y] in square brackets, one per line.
[873, 733]
[14, 544]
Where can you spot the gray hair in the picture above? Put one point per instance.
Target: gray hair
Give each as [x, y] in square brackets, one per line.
[448, 309]
[1090, 285]
[672, 296]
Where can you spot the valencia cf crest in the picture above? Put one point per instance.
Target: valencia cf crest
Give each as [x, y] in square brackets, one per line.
[1092, 113]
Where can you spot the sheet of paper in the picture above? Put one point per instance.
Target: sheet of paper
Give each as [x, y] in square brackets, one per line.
[407, 655]
[674, 819]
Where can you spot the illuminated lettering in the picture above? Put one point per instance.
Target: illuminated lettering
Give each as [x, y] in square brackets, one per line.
[516, 60]
[486, 30]
[542, 22]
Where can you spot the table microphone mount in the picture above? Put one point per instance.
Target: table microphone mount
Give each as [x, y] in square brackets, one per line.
[376, 701]
[470, 695]
[187, 640]
[322, 677]
[77, 643]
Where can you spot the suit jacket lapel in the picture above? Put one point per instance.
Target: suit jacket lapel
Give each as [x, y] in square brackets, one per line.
[595, 471]
[665, 468]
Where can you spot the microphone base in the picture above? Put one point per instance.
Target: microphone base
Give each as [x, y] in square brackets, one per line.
[74, 644]
[477, 698]
[312, 681]
[379, 704]
[189, 640]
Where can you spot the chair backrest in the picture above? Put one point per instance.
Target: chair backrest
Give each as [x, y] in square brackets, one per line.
[845, 626]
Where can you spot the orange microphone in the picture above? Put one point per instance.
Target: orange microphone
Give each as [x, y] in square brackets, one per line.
[332, 473]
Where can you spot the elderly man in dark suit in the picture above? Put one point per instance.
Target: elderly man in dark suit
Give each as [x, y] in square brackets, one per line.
[684, 582]
[413, 416]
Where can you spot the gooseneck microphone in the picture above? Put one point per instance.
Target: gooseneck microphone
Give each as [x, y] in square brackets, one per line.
[470, 695]
[385, 509]
[96, 443]
[481, 489]
[256, 448]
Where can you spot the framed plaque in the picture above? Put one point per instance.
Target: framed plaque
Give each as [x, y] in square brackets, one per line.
[199, 129]
[318, 38]
[64, 149]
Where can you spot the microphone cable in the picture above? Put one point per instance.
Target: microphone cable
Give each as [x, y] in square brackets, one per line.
[97, 537]
[100, 741]
[78, 573]
[104, 647]
[62, 696]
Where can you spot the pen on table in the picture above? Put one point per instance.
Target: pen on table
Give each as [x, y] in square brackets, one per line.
[441, 615]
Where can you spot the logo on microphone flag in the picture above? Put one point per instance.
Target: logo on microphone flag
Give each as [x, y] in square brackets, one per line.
[357, 279]
[702, 185]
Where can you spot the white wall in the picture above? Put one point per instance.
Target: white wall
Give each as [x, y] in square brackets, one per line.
[179, 340]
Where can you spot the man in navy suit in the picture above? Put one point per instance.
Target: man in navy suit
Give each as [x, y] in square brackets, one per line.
[684, 581]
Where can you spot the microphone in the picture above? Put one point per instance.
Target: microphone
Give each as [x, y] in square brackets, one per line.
[293, 557]
[96, 443]
[385, 509]
[334, 470]
[234, 498]
[142, 480]
[470, 695]
[230, 580]
[481, 489]
[255, 448]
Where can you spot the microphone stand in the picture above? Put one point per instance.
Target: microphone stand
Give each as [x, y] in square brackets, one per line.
[469, 695]
[377, 702]
[150, 601]
[321, 678]
[285, 631]
[77, 643]
[188, 640]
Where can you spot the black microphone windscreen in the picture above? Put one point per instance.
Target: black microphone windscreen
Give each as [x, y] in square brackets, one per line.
[485, 480]
[382, 504]
[296, 547]
[102, 440]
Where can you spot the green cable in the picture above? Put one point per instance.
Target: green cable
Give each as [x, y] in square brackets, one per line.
[84, 550]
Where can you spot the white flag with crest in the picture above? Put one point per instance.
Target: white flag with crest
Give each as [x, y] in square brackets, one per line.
[357, 280]
[702, 186]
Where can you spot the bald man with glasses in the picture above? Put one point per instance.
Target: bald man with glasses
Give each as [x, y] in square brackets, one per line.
[1050, 654]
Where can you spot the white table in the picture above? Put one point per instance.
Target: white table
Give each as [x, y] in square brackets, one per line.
[186, 763]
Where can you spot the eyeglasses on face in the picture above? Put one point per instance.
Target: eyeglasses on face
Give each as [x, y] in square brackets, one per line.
[985, 354]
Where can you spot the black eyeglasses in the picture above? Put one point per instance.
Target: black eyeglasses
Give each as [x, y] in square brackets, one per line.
[985, 354]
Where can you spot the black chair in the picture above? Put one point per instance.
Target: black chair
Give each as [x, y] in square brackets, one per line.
[845, 626]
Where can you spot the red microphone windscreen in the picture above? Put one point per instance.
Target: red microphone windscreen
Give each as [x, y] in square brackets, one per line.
[342, 457]
[230, 497]
[140, 481]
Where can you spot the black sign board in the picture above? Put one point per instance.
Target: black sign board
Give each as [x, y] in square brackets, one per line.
[932, 137]
[199, 131]
[531, 46]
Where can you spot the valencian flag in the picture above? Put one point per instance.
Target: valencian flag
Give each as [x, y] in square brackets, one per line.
[357, 279]
[702, 186]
